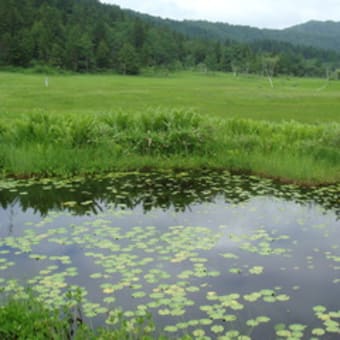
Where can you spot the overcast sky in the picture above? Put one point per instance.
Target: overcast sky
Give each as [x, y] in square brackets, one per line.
[259, 13]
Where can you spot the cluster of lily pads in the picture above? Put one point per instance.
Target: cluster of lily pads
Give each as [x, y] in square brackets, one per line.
[331, 326]
[162, 189]
[194, 279]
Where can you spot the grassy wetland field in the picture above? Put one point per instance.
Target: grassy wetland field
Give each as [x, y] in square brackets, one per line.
[133, 202]
[83, 124]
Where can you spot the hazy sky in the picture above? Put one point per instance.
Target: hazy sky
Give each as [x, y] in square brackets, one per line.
[259, 13]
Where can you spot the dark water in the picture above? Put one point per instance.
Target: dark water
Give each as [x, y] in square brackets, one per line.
[207, 254]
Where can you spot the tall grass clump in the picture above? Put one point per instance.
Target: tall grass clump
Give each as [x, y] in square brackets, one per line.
[27, 317]
[289, 150]
[161, 133]
[47, 144]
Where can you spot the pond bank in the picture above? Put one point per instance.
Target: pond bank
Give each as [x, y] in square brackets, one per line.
[43, 145]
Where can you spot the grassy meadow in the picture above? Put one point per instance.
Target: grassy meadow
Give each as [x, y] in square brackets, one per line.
[90, 123]
[221, 95]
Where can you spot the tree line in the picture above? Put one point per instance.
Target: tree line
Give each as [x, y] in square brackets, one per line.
[88, 36]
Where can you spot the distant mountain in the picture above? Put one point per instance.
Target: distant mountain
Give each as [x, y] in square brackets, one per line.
[325, 35]
[318, 34]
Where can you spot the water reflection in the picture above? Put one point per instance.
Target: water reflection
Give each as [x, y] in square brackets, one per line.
[157, 190]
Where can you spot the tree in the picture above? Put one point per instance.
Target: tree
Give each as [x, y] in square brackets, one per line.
[86, 56]
[211, 59]
[269, 63]
[138, 34]
[79, 51]
[225, 62]
[128, 62]
[337, 74]
[103, 56]
[82, 35]
[57, 55]
[47, 31]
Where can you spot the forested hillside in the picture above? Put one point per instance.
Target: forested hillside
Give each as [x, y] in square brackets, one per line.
[88, 36]
[317, 34]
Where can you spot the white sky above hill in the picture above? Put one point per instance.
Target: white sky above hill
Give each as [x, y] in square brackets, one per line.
[258, 13]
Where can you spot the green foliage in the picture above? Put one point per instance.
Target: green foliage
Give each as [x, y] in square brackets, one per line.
[86, 36]
[103, 55]
[71, 144]
[128, 62]
[162, 133]
[27, 318]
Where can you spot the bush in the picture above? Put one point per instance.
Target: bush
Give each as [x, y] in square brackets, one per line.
[29, 319]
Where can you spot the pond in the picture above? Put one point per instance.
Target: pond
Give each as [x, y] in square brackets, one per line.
[206, 253]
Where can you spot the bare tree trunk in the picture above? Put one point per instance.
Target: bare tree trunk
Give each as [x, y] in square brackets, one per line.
[270, 81]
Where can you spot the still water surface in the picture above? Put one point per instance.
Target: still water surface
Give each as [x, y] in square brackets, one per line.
[207, 254]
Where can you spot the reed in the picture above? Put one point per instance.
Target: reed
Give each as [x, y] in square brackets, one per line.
[47, 144]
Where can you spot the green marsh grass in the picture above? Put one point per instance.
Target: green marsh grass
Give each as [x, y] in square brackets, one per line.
[219, 95]
[28, 318]
[46, 144]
